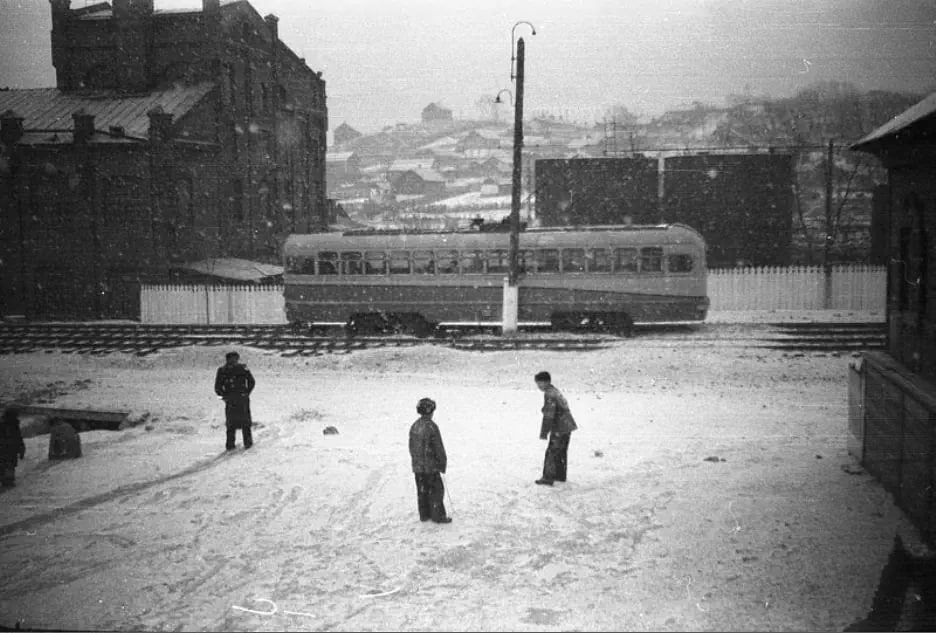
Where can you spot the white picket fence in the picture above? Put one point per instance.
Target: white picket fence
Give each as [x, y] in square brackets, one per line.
[194, 304]
[853, 287]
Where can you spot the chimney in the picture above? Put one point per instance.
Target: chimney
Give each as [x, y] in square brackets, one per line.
[133, 30]
[11, 128]
[272, 23]
[61, 13]
[84, 127]
[160, 127]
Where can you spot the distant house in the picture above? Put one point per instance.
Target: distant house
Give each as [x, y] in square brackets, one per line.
[497, 166]
[407, 164]
[433, 114]
[478, 143]
[496, 187]
[341, 167]
[344, 134]
[417, 182]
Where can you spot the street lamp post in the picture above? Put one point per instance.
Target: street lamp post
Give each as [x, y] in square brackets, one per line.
[511, 291]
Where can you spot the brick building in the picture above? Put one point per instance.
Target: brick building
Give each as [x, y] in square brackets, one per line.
[171, 136]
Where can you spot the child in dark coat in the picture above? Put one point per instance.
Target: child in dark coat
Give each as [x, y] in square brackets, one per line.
[12, 447]
[429, 462]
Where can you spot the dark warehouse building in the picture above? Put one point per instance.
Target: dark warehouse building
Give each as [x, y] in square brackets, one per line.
[741, 203]
[580, 191]
[170, 137]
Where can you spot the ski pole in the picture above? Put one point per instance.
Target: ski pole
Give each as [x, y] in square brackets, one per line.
[448, 494]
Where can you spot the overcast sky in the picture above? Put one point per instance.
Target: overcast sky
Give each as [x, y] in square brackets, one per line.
[384, 60]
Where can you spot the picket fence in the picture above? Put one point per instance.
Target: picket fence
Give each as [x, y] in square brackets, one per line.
[853, 287]
[199, 304]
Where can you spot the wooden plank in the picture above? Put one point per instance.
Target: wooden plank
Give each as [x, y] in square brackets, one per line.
[74, 414]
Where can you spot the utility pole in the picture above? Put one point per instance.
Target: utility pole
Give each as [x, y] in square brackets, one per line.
[829, 231]
[516, 193]
[511, 297]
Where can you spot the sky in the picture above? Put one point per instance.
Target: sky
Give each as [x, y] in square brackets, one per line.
[385, 60]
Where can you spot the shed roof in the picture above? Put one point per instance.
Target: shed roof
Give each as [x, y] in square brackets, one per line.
[51, 109]
[233, 268]
[909, 117]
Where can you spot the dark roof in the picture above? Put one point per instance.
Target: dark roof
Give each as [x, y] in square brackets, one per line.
[909, 117]
[46, 110]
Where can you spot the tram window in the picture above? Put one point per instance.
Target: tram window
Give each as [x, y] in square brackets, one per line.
[679, 263]
[651, 259]
[599, 260]
[351, 264]
[547, 260]
[399, 263]
[300, 265]
[447, 261]
[526, 261]
[498, 261]
[573, 260]
[625, 260]
[327, 263]
[472, 262]
[423, 264]
[375, 263]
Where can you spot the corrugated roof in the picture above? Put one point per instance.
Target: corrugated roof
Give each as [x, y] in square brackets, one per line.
[51, 109]
[233, 268]
[922, 110]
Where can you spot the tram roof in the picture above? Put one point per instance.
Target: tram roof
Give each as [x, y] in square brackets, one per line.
[647, 234]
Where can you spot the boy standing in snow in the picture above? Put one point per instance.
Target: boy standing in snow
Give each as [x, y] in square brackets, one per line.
[558, 424]
[11, 447]
[233, 383]
[429, 461]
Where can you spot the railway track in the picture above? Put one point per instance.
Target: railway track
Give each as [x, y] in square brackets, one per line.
[142, 340]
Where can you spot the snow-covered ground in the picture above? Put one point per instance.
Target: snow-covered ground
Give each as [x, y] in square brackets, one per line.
[709, 488]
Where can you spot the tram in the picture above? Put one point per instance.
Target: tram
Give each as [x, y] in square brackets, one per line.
[589, 276]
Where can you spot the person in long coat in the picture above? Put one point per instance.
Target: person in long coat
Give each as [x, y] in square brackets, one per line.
[429, 462]
[12, 447]
[234, 383]
[557, 425]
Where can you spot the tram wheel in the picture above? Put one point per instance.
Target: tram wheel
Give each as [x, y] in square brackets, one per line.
[623, 324]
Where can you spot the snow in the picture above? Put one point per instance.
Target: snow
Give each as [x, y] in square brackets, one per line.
[156, 527]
